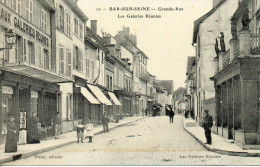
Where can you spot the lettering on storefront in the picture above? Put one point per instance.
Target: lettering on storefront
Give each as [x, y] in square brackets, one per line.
[4, 15]
[24, 27]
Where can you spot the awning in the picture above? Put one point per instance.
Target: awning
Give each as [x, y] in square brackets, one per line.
[113, 97]
[101, 97]
[88, 96]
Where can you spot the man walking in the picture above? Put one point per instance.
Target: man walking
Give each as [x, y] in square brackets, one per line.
[171, 115]
[207, 124]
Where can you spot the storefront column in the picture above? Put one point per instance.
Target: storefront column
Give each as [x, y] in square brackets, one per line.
[1, 112]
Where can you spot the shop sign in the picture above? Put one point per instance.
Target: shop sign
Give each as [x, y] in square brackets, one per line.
[22, 120]
[7, 90]
[24, 27]
[34, 94]
[5, 15]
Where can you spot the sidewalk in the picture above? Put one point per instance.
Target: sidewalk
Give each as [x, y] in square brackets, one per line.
[27, 150]
[219, 144]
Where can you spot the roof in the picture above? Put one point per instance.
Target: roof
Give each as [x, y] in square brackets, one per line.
[167, 84]
[191, 60]
[95, 40]
[74, 7]
[201, 19]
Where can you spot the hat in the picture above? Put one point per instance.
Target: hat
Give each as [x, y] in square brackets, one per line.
[206, 111]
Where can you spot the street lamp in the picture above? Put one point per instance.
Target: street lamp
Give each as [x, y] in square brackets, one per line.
[10, 39]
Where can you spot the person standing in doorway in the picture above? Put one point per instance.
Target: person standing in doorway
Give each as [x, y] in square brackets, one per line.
[33, 131]
[207, 124]
[11, 138]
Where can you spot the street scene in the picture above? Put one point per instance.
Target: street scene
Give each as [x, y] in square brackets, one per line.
[129, 82]
[150, 141]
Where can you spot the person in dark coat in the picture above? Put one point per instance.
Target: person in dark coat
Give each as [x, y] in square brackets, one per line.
[171, 115]
[207, 124]
[33, 131]
[11, 138]
[105, 121]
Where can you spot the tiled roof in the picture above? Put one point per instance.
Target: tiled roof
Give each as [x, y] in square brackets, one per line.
[96, 39]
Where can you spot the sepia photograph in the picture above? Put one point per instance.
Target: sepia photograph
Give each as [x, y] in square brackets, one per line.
[129, 82]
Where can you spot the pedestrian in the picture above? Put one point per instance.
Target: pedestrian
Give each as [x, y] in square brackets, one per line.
[80, 131]
[146, 111]
[171, 115]
[33, 131]
[11, 138]
[89, 129]
[105, 121]
[207, 124]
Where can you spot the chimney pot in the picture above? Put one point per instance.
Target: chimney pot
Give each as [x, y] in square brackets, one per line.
[94, 26]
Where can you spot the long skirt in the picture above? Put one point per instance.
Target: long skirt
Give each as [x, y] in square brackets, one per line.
[11, 142]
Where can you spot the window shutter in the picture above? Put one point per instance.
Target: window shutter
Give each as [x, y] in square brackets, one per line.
[36, 55]
[74, 57]
[61, 61]
[69, 63]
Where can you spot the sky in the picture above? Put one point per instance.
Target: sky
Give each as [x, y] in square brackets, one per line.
[166, 40]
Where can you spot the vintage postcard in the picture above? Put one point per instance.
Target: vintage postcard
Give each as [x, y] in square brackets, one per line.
[129, 82]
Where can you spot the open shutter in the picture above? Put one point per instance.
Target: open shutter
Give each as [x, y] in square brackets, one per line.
[61, 61]
[74, 58]
[69, 63]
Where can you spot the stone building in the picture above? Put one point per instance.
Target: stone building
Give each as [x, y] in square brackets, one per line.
[237, 79]
[206, 31]
[30, 70]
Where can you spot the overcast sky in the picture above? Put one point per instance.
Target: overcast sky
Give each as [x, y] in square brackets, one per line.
[166, 40]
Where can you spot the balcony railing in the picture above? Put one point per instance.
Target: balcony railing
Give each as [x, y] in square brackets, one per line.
[255, 44]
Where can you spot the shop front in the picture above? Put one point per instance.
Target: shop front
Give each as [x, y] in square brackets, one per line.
[21, 98]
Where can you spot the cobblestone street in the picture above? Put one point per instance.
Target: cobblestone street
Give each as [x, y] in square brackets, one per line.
[151, 141]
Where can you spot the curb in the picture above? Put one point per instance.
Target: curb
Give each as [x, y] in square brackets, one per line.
[223, 152]
[31, 153]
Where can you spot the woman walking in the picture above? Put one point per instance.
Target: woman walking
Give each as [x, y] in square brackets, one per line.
[11, 138]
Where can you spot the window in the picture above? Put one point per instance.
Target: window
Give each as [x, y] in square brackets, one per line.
[31, 53]
[43, 20]
[14, 5]
[61, 18]
[69, 106]
[78, 59]
[76, 26]
[102, 58]
[46, 59]
[109, 82]
[87, 68]
[92, 69]
[19, 7]
[29, 10]
[61, 53]
[68, 63]
[67, 29]
[80, 30]
[121, 81]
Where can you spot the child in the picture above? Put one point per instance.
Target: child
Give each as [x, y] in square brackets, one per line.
[90, 131]
[80, 131]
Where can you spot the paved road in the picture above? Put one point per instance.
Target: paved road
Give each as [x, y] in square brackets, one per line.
[152, 141]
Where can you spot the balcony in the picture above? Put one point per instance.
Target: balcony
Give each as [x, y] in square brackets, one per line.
[255, 44]
[35, 68]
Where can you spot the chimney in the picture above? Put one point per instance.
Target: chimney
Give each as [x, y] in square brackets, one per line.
[94, 26]
[126, 30]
